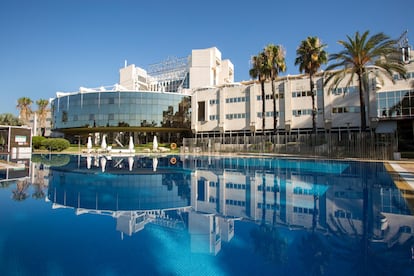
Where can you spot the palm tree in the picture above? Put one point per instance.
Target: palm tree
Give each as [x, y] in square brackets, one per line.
[42, 113]
[363, 54]
[23, 104]
[276, 63]
[9, 120]
[258, 71]
[310, 57]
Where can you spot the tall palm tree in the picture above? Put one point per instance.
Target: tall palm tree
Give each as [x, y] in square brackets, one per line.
[275, 56]
[42, 110]
[360, 56]
[258, 71]
[23, 104]
[310, 57]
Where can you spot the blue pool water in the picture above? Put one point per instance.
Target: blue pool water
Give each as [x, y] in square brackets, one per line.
[194, 215]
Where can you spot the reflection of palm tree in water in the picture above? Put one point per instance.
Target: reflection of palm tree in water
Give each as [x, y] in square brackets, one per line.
[20, 193]
[39, 183]
[267, 239]
[39, 191]
[367, 257]
[313, 252]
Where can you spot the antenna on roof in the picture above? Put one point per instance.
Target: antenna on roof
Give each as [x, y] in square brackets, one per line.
[125, 65]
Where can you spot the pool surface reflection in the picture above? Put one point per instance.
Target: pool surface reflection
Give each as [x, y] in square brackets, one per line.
[203, 215]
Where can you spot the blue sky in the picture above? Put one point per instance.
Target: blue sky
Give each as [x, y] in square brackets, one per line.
[59, 45]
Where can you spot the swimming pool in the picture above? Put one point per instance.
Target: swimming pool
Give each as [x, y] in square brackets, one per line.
[204, 215]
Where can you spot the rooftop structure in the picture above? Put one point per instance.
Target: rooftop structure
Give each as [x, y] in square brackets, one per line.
[202, 68]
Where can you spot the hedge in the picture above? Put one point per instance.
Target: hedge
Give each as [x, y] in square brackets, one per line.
[56, 144]
[37, 141]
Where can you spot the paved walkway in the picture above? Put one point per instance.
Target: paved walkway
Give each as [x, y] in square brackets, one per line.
[405, 171]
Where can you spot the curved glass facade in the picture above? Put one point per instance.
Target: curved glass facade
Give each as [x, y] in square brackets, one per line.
[121, 109]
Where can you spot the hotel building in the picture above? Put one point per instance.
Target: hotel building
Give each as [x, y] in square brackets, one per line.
[236, 109]
[197, 96]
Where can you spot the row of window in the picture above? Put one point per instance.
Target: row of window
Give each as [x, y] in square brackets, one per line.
[213, 184]
[301, 112]
[268, 114]
[297, 94]
[108, 117]
[229, 116]
[237, 116]
[270, 96]
[346, 109]
[302, 210]
[268, 206]
[296, 113]
[237, 100]
[345, 90]
[235, 202]
[342, 214]
[100, 100]
[396, 103]
[301, 191]
[230, 100]
[214, 117]
[409, 75]
[236, 186]
[396, 112]
[268, 188]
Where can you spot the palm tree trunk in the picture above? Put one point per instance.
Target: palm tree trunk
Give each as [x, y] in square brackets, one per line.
[262, 83]
[274, 109]
[362, 102]
[313, 104]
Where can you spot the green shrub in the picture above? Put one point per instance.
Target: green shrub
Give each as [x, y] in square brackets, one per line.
[56, 144]
[37, 141]
[55, 160]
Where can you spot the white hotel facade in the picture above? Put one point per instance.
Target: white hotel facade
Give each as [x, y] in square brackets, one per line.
[236, 108]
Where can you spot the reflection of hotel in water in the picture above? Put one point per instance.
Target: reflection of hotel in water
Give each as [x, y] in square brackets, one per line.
[220, 191]
[159, 197]
[291, 199]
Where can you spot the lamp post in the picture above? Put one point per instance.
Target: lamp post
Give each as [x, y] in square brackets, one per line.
[373, 123]
[348, 130]
[79, 151]
[287, 130]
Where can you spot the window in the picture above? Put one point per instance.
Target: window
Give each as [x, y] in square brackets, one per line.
[201, 111]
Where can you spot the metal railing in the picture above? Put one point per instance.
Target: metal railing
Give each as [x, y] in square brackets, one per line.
[366, 145]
